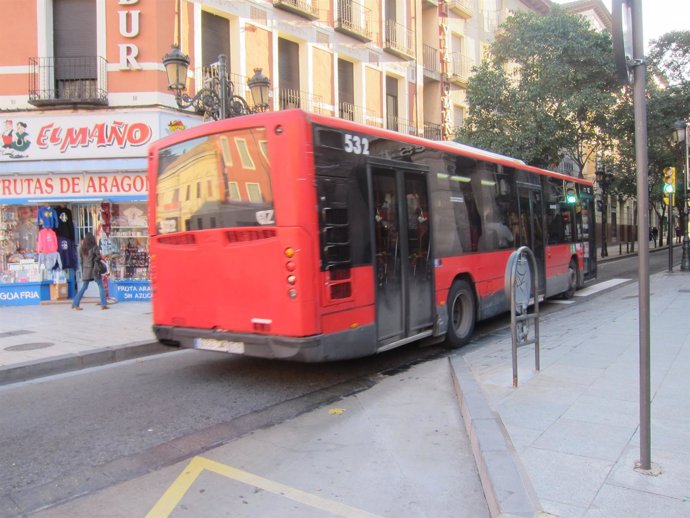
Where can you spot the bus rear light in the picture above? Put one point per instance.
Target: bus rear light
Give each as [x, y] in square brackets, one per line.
[290, 265]
[291, 280]
[289, 252]
[179, 239]
[240, 236]
[292, 293]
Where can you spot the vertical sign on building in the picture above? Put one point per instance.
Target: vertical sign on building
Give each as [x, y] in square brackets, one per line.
[444, 55]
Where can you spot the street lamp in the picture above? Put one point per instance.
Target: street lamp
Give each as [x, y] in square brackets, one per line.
[217, 99]
[681, 137]
[604, 177]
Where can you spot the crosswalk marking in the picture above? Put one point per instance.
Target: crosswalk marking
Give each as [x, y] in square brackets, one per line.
[591, 290]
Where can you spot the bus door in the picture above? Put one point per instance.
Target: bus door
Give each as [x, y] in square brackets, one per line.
[402, 254]
[532, 227]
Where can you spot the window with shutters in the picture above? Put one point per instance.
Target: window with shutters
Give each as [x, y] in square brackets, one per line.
[74, 73]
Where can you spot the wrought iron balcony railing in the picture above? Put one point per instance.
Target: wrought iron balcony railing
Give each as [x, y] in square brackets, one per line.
[68, 80]
[353, 18]
[432, 131]
[289, 98]
[354, 113]
[400, 125]
[306, 8]
[463, 8]
[399, 40]
[459, 69]
[431, 59]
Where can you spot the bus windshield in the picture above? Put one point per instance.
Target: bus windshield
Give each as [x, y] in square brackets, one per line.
[215, 181]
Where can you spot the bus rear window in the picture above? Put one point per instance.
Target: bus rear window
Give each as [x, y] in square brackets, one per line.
[215, 181]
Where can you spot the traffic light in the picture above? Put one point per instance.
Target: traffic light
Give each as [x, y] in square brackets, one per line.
[570, 193]
[669, 180]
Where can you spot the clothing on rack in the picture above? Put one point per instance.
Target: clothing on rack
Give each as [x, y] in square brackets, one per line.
[50, 261]
[47, 242]
[65, 226]
[68, 253]
[47, 217]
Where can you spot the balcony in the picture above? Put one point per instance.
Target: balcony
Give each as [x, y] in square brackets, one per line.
[399, 40]
[432, 131]
[289, 98]
[354, 19]
[431, 62]
[400, 125]
[459, 69]
[304, 8]
[354, 113]
[463, 8]
[58, 81]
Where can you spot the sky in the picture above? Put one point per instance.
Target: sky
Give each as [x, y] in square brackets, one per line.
[659, 16]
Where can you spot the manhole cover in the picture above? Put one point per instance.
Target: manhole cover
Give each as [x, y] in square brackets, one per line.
[29, 347]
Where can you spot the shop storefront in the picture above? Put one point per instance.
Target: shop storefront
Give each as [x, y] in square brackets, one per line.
[62, 176]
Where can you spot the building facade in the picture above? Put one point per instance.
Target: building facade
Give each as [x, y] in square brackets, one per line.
[86, 92]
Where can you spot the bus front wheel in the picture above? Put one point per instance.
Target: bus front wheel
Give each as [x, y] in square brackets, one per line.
[462, 313]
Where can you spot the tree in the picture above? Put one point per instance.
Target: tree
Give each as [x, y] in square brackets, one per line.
[668, 100]
[559, 97]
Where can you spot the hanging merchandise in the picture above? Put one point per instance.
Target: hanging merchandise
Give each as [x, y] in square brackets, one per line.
[65, 226]
[47, 217]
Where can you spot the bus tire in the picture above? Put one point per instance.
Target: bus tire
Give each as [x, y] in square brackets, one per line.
[462, 313]
[573, 276]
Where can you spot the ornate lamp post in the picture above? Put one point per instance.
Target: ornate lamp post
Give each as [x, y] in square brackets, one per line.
[217, 99]
[604, 177]
[681, 136]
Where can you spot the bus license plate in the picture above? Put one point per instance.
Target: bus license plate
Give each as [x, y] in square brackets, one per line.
[226, 346]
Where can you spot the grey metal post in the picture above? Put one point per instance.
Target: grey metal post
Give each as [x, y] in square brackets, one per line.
[685, 261]
[671, 231]
[223, 73]
[642, 231]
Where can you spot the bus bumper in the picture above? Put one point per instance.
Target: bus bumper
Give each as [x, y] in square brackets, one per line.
[351, 343]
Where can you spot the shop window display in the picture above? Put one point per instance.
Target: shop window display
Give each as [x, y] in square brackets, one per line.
[125, 240]
[18, 237]
[31, 245]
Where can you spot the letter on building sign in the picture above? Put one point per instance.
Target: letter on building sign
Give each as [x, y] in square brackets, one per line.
[133, 29]
[128, 55]
[129, 28]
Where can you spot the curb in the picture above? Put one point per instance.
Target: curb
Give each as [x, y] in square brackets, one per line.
[507, 488]
[72, 362]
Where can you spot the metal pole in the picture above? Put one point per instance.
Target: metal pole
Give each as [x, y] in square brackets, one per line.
[643, 230]
[685, 261]
[671, 233]
[223, 73]
[604, 218]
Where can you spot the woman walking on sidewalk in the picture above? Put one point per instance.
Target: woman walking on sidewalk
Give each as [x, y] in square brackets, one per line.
[90, 253]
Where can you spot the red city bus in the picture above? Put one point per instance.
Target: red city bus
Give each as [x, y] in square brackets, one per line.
[297, 236]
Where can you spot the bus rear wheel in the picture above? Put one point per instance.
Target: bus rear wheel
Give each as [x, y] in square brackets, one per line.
[572, 280]
[462, 314]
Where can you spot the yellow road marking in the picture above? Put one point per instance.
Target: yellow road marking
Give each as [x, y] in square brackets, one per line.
[174, 494]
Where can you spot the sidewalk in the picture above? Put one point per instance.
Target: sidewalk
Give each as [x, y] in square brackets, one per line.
[565, 441]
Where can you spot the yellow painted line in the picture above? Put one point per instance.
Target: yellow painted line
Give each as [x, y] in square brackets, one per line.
[174, 494]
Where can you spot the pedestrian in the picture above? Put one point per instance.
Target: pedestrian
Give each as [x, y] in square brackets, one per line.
[89, 253]
[655, 235]
[679, 234]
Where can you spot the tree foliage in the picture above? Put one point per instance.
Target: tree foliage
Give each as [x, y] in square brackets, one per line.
[547, 90]
[668, 100]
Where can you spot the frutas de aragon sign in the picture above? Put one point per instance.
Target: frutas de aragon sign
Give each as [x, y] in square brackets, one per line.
[47, 137]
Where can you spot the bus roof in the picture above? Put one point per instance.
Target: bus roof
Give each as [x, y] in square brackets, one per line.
[439, 144]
